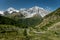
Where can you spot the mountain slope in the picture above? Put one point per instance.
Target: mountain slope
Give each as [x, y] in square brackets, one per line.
[32, 21]
[50, 19]
[8, 21]
[54, 27]
[29, 22]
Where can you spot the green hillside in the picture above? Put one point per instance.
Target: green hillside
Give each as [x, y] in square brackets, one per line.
[8, 21]
[50, 19]
[10, 32]
[52, 33]
[23, 22]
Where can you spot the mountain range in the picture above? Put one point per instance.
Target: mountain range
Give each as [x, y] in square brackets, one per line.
[26, 12]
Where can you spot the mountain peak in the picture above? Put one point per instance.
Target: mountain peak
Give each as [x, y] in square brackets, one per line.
[11, 9]
[34, 10]
[2, 12]
[37, 7]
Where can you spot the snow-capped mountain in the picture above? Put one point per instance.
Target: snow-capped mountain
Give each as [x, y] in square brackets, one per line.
[1, 12]
[10, 10]
[35, 10]
[30, 12]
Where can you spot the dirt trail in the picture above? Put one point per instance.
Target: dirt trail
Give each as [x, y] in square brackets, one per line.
[54, 25]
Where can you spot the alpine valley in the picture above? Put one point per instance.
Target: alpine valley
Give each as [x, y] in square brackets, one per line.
[34, 23]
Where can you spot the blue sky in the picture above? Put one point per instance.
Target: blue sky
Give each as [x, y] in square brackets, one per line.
[52, 4]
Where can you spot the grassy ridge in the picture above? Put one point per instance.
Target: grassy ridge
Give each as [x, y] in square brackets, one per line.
[50, 19]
